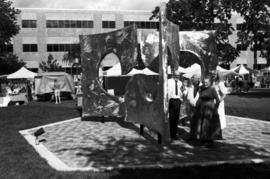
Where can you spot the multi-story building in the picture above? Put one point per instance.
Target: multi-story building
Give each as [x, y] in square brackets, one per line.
[56, 31]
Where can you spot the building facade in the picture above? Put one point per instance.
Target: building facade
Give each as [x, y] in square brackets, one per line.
[56, 31]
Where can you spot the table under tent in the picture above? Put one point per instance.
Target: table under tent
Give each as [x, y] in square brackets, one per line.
[17, 87]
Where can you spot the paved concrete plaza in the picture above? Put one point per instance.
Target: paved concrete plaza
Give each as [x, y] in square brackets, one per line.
[82, 144]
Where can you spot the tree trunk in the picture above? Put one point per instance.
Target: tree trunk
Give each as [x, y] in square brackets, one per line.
[255, 55]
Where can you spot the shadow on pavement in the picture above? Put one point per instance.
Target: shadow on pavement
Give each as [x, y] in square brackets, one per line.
[126, 151]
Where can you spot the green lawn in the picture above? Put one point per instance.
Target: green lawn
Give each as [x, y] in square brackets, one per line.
[19, 160]
[254, 104]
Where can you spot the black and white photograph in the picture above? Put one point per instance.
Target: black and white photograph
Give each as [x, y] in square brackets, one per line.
[115, 89]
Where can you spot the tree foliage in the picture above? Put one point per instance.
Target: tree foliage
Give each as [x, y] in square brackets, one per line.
[9, 63]
[73, 54]
[255, 30]
[8, 24]
[202, 15]
[51, 65]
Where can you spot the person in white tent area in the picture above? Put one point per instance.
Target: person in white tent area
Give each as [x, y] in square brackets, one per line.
[221, 91]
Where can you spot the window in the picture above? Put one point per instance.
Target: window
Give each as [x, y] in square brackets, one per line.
[239, 26]
[90, 24]
[6, 48]
[259, 66]
[29, 23]
[30, 48]
[108, 24]
[61, 24]
[241, 47]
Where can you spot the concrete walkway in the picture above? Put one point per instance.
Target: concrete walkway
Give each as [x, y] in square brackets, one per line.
[83, 145]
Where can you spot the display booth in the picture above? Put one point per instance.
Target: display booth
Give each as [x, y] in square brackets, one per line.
[139, 95]
[44, 83]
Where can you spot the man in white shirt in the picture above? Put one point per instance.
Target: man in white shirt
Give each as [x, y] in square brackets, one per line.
[175, 96]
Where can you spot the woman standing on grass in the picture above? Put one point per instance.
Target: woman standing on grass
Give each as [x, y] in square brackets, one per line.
[208, 119]
[221, 91]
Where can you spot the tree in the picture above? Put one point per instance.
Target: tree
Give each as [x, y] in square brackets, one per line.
[9, 63]
[8, 25]
[201, 15]
[255, 30]
[51, 65]
[73, 54]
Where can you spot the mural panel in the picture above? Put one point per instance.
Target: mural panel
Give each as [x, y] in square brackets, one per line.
[199, 47]
[123, 43]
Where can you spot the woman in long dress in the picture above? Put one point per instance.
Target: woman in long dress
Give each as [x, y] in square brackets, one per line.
[208, 119]
[221, 91]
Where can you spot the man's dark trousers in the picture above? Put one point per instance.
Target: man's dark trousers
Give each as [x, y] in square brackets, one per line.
[174, 111]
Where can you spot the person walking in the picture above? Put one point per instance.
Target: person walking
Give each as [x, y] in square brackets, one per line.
[175, 95]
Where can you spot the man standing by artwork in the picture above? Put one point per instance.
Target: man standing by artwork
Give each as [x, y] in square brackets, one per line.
[175, 95]
[192, 97]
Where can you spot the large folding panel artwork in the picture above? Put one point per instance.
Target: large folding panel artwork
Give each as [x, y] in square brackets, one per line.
[146, 96]
[123, 43]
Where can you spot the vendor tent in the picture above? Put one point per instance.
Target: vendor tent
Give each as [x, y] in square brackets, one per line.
[44, 83]
[113, 71]
[267, 69]
[225, 72]
[179, 70]
[241, 70]
[22, 73]
[145, 71]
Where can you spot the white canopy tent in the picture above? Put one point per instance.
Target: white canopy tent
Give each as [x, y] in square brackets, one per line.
[225, 72]
[241, 70]
[116, 71]
[179, 70]
[22, 73]
[145, 71]
[113, 71]
[194, 69]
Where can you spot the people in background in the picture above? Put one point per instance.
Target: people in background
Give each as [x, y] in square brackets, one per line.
[192, 97]
[221, 91]
[184, 109]
[175, 95]
[209, 123]
[57, 92]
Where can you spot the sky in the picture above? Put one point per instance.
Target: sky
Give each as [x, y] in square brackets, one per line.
[89, 4]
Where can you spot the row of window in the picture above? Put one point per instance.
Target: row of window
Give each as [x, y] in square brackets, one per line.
[29, 24]
[62, 47]
[142, 24]
[51, 47]
[69, 24]
[30, 48]
[262, 27]
[108, 24]
[88, 24]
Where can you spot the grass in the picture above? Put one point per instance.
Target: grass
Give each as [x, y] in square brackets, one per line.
[19, 160]
[254, 104]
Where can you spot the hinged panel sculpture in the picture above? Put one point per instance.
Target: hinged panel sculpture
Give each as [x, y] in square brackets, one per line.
[123, 43]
